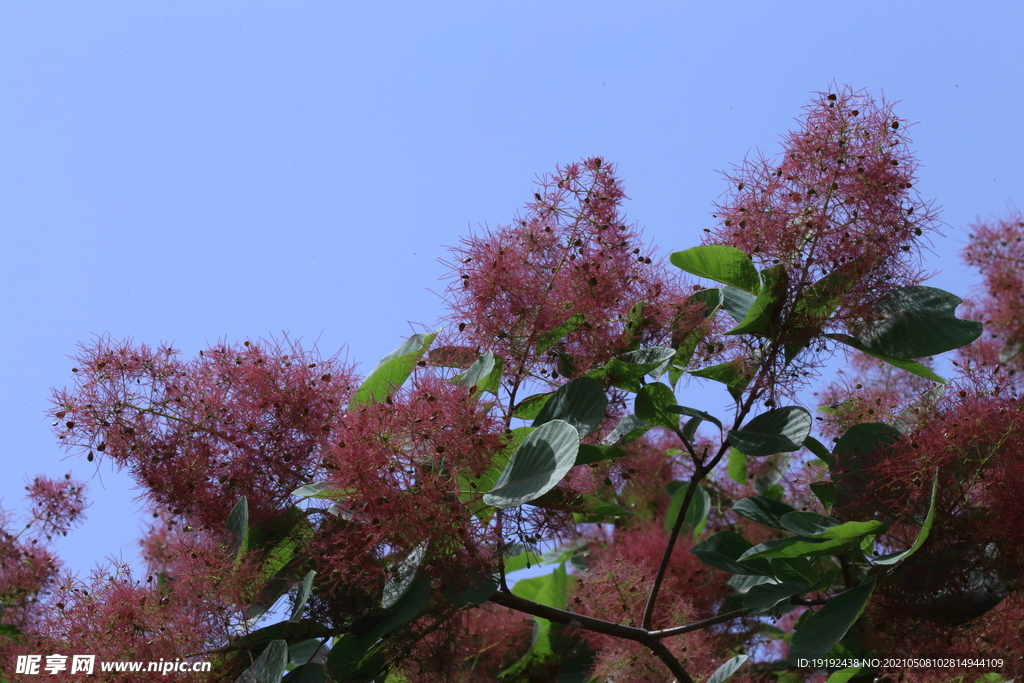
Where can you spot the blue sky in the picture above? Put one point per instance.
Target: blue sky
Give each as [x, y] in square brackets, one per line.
[190, 172]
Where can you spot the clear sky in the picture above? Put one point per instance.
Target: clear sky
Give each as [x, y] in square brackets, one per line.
[190, 172]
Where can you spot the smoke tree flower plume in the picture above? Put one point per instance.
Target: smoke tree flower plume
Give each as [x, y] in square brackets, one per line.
[311, 523]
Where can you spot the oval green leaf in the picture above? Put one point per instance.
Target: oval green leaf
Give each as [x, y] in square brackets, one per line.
[270, 665]
[653, 406]
[581, 403]
[392, 370]
[724, 672]
[765, 596]
[778, 431]
[758, 318]
[918, 321]
[765, 511]
[721, 263]
[723, 550]
[536, 467]
[826, 627]
[807, 523]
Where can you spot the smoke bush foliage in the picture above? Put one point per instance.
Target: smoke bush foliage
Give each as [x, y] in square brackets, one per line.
[384, 513]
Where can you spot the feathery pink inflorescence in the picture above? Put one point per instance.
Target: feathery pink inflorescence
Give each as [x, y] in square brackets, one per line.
[239, 420]
[615, 587]
[572, 253]
[839, 200]
[405, 465]
[996, 249]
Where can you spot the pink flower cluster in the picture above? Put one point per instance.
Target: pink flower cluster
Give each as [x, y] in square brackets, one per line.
[840, 199]
[239, 420]
[572, 254]
[996, 249]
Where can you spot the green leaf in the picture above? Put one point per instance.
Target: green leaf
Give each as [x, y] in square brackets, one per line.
[270, 665]
[922, 534]
[303, 629]
[758, 319]
[589, 453]
[478, 372]
[629, 429]
[860, 448]
[653, 403]
[685, 342]
[826, 493]
[485, 482]
[911, 366]
[864, 443]
[321, 489]
[310, 672]
[782, 430]
[696, 514]
[807, 523]
[737, 467]
[303, 595]
[795, 546]
[281, 539]
[581, 403]
[11, 632]
[352, 658]
[550, 590]
[710, 299]
[720, 263]
[526, 557]
[725, 672]
[826, 627]
[818, 449]
[393, 370]
[549, 339]
[529, 408]
[238, 527]
[302, 651]
[625, 370]
[407, 608]
[834, 541]
[693, 412]
[853, 531]
[730, 374]
[917, 321]
[537, 466]
[850, 673]
[795, 569]
[765, 596]
[595, 508]
[737, 303]
[764, 511]
[820, 300]
[403, 574]
[723, 550]
[634, 323]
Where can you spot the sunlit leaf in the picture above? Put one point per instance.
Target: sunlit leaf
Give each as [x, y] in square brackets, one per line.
[544, 457]
[721, 263]
[393, 369]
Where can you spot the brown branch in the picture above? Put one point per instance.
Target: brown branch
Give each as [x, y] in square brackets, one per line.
[698, 625]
